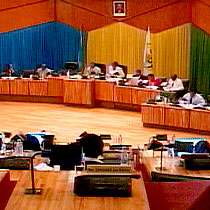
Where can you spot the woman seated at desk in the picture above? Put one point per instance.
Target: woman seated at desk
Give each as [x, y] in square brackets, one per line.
[152, 81]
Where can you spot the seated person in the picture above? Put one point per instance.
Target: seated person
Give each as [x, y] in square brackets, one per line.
[9, 70]
[92, 147]
[43, 71]
[174, 84]
[137, 78]
[92, 69]
[115, 71]
[192, 98]
[152, 81]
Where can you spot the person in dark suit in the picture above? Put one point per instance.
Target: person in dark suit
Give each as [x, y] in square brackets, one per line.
[9, 70]
[92, 147]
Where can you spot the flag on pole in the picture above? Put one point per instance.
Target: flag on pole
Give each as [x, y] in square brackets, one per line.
[148, 54]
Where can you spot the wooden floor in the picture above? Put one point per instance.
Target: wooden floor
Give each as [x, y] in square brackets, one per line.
[67, 123]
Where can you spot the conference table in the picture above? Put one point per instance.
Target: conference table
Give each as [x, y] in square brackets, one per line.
[173, 117]
[85, 92]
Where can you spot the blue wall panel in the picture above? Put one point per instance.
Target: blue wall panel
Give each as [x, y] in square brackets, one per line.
[50, 43]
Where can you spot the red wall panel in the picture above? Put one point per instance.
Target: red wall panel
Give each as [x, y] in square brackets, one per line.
[164, 18]
[158, 14]
[201, 14]
[18, 14]
[80, 17]
[92, 14]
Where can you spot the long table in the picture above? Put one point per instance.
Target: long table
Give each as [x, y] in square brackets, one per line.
[86, 92]
[169, 117]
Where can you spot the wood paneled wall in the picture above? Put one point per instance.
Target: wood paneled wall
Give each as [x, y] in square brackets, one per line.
[16, 14]
[200, 14]
[92, 14]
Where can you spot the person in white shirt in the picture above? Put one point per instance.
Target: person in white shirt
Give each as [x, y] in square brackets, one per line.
[93, 70]
[43, 71]
[174, 84]
[192, 98]
[115, 70]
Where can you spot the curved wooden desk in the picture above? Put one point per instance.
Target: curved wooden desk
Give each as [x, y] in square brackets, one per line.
[169, 117]
[86, 92]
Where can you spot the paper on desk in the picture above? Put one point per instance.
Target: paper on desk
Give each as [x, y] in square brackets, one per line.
[43, 167]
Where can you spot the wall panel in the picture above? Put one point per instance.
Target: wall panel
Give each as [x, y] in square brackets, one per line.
[17, 14]
[201, 14]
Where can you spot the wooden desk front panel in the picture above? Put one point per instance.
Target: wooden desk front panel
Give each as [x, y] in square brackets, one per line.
[79, 92]
[153, 114]
[123, 94]
[177, 117]
[104, 90]
[55, 87]
[19, 87]
[200, 120]
[38, 87]
[4, 86]
[141, 95]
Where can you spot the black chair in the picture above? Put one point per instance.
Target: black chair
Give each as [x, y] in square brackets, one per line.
[102, 67]
[125, 70]
[67, 156]
[27, 73]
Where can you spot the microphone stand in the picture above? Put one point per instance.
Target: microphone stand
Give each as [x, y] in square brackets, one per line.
[33, 190]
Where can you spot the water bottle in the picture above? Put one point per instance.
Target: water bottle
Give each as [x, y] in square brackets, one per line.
[19, 148]
[119, 139]
[3, 148]
[68, 74]
[124, 158]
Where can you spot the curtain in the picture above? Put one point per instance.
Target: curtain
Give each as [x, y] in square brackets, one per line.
[118, 42]
[171, 51]
[200, 61]
[125, 44]
[50, 43]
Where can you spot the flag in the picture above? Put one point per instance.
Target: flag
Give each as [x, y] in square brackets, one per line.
[147, 54]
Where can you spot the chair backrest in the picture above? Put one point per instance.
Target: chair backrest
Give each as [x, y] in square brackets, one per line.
[125, 70]
[102, 67]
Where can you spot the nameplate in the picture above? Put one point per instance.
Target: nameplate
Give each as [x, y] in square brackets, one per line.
[109, 168]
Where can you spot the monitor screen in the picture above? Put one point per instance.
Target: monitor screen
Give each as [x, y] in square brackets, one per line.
[71, 65]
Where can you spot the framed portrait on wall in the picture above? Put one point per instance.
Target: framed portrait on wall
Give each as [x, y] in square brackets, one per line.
[119, 8]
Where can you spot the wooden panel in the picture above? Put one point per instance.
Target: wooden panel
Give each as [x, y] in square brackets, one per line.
[123, 94]
[88, 20]
[19, 87]
[141, 95]
[153, 114]
[55, 87]
[200, 14]
[79, 92]
[38, 87]
[5, 86]
[173, 15]
[200, 120]
[23, 15]
[177, 117]
[104, 90]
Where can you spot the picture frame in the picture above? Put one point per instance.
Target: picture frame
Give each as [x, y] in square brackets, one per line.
[119, 8]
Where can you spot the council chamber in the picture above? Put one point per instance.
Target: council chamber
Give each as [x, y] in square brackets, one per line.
[104, 104]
